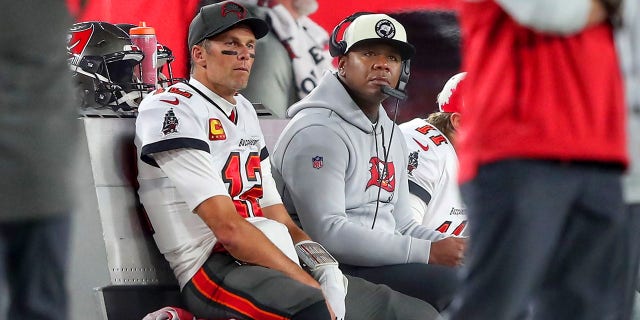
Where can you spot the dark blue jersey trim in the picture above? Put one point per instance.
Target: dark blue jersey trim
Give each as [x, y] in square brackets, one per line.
[171, 144]
[264, 153]
[420, 192]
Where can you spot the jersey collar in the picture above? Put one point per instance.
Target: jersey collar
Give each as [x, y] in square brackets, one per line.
[225, 106]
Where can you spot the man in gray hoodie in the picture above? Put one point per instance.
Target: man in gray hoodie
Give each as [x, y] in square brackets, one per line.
[340, 165]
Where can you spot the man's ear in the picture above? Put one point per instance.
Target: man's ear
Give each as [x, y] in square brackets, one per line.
[197, 56]
[455, 120]
[341, 63]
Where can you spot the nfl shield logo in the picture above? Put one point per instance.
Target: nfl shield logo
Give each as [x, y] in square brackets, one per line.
[317, 162]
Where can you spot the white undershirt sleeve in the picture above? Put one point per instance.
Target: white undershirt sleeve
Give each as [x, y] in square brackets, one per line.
[418, 207]
[270, 195]
[193, 174]
[551, 16]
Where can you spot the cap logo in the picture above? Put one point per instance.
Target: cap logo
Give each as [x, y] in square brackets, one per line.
[385, 29]
[232, 7]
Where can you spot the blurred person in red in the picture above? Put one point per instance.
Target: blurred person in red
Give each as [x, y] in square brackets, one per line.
[542, 152]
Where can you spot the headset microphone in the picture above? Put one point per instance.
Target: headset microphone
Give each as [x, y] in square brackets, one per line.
[400, 92]
[394, 93]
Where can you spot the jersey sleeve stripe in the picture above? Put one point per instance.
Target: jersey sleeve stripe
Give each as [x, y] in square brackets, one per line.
[171, 144]
[264, 154]
[420, 192]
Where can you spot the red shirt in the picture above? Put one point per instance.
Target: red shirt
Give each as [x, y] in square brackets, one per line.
[535, 95]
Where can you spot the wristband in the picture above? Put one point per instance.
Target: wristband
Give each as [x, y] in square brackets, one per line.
[314, 255]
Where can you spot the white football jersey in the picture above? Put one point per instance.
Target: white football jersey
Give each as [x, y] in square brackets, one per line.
[433, 175]
[191, 116]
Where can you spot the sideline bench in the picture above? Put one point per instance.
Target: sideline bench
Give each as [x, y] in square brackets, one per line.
[116, 271]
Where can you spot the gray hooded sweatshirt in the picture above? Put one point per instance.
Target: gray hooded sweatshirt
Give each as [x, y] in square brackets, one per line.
[335, 170]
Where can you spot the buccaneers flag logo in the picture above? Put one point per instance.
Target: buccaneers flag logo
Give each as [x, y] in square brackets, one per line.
[170, 124]
[383, 174]
[78, 40]
[413, 162]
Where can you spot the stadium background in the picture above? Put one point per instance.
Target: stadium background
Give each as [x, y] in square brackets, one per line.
[431, 26]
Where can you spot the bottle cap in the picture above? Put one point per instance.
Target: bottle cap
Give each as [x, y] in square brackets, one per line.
[142, 29]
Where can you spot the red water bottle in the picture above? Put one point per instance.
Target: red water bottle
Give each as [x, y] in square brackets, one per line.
[145, 38]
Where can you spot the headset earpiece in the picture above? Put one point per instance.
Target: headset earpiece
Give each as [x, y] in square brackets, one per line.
[336, 48]
[405, 72]
[339, 48]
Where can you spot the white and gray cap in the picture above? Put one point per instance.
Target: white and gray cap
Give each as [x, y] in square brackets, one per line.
[378, 27]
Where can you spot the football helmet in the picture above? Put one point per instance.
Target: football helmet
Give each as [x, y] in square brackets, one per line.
[164, 56]
[450, 99]
[103, 61]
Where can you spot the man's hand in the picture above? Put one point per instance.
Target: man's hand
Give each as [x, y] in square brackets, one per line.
[612, 6]
[334, 286]
[602, 10]
[324, 268]
[448, 251]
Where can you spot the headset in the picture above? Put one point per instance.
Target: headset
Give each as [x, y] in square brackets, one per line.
[339, 48]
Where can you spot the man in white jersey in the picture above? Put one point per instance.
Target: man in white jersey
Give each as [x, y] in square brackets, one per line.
[433, 164]
[205, 182]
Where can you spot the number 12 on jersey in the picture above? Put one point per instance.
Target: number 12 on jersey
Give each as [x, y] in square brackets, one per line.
[245, 183]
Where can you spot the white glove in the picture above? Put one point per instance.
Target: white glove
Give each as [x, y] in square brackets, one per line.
[334, 286]
[169, 313]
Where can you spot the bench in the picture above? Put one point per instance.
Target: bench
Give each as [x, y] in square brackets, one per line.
[116, 271]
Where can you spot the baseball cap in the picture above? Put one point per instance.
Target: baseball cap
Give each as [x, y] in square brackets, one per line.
[450, 98]
[217, 18]
[378, 27]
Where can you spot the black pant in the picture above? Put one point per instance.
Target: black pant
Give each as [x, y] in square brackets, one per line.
[33, 264]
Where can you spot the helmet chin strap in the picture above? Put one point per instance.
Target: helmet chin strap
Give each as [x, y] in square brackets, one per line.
[129, 99]
[89, 74]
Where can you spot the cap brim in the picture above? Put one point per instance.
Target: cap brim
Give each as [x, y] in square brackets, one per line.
[258, 26]
[407, 50]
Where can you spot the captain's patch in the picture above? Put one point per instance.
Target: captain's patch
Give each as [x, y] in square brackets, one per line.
[216, 131]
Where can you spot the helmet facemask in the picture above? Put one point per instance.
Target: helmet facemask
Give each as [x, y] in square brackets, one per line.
[105, 63]
[165, 57]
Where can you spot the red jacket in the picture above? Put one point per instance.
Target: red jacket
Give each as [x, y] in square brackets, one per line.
[534, 95]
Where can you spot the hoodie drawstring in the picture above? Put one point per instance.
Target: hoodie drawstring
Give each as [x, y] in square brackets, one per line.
[382, 174]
